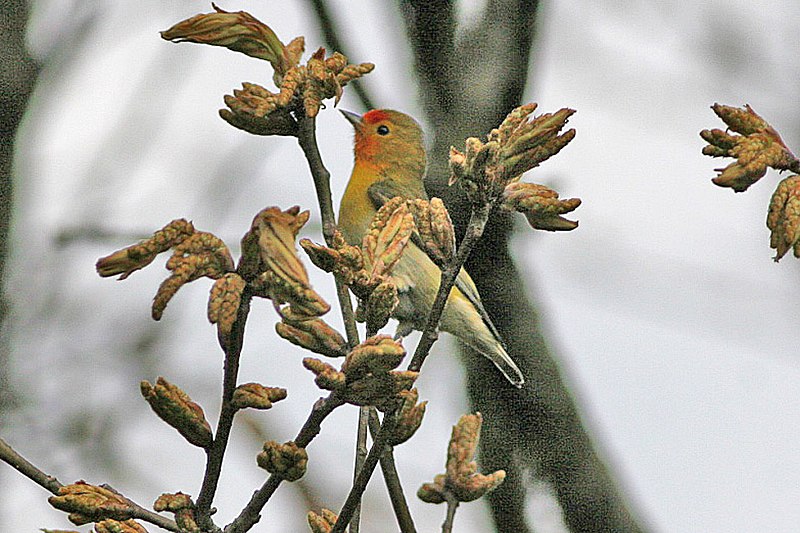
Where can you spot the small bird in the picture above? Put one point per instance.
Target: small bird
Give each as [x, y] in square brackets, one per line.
[390, 161]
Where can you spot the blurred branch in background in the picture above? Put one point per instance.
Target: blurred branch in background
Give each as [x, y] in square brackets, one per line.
[469, 79]
[18, 73]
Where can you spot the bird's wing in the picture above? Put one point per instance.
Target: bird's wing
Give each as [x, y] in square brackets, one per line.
[381, 192]
[467, 287]
[384, 190]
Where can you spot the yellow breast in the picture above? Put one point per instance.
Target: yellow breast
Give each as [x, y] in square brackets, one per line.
[356, 209]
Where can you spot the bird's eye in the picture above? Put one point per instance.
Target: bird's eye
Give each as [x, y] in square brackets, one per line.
[383, 130]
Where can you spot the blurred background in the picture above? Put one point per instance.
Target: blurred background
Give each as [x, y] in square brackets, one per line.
[664, 313]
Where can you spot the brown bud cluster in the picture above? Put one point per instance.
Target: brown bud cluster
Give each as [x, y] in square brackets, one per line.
[117, 526]
[91, 503]
[177, 409]
[196, 254]
[367, 376]
[288, 461]
[409, 418]
[199, 255]
[367, 270]
[435, 229]
[783, 218]
[321, 522]
[313, 334]
[757, 147]
[301, 90]
[516, 146]
[271, 264]
[128, 260]
[461, 479]
[256, 396]
[224, 301]
[540, 205]
[182, 505]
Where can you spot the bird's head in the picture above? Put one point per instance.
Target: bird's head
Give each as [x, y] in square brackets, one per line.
[389, 140]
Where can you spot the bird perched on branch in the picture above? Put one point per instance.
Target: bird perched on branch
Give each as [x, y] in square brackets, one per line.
[390, 161]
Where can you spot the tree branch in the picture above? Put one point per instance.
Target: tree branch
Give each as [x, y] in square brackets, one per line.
[477, 222]
[51, 484]
[452, 505]
[357, 491]
[216, 454]
[27, 469]
[523, 429]
[307, 138]
[392, 480]
[250, 514]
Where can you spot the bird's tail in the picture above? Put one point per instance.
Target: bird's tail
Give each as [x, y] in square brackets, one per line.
[496, 353]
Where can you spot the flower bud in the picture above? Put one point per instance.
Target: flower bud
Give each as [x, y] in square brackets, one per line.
[321, 522]
[224, 301]
[409, 418]
[91, 503]
[116, 526]
[256, 396]
[177, 409]
[285, 460]
[314, 335]
[783, 218]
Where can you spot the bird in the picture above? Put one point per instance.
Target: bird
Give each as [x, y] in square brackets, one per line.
[390, 161]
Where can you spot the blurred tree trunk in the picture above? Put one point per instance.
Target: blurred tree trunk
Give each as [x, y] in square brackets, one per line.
[470, 79]
[17, 75]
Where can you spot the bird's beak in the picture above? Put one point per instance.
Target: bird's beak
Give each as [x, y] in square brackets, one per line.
[352, 118]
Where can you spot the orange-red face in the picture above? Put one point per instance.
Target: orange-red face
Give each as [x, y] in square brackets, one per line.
[383, 135]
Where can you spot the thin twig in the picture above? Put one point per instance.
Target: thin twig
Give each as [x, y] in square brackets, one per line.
[51, 484]
[477, 223]
[251, 513]
[307, 138]
[392, 480]
[361, 456]
[27, 469]
[361, 446]
[216, 454]
[452, 505]
[364, 475]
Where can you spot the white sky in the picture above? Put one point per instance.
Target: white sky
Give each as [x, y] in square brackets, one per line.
[673, 324]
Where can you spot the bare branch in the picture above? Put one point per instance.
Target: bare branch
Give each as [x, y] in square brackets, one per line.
[27, 469]
[390, 476]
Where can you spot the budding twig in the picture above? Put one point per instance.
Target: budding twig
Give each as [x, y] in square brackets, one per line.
[477, 223]
[216, 453]
[307, 139]
[250, 514]
[452, 505]
[308, 142]
[51, 484]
